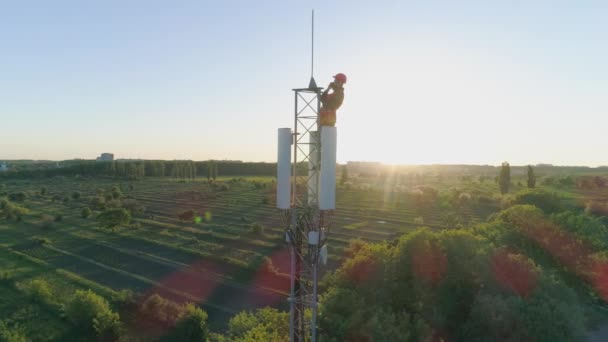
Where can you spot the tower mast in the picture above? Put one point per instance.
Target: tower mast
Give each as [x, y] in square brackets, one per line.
[306, 199]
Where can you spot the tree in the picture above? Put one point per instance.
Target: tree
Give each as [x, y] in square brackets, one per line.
[192, 326]
[114, 217]
[504, 178]
[40, 291]
[11, 211]
[344, 177]
[85, 213]
[209, 171]
[43, 191]
[257, 228]
[75, 195]
[267, 324]
[531, 177]
[548, 202]
[215, 172]
[92, 313]
[11, 334]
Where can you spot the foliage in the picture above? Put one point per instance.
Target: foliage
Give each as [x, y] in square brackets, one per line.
[76, 195]
[192, 326]
[43, 191]
[187, 215]
[17, 196]
[133, 206]
[504, 178]
[531, 177]
[86, 212]
[453, 283]
[40, 291]
[548, 202]
[114, 217]
[98, 202]
[596, 208]
[257, 228]
[9, 210]
[425, 197]
[588, 228]
[11, 334]
[58, 217]
[92, 313]
[163, 311]
[267, 324]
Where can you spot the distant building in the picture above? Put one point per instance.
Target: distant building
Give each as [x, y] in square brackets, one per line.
[106, 157]
[3, 167]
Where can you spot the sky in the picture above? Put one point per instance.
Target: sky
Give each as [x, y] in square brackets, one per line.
[447, 82]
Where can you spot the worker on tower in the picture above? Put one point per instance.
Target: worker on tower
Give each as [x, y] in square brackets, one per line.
[331, 102]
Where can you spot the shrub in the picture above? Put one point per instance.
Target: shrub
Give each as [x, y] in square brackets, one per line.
[116, 193]
[162, 310]
[257, 228]
[66, 199]
[192, 326]
[114, 217]
[58, 217]
[187, 215]
[92, 312]
[98, 202]
[133, 206]
[56, 198]
[265, 200]
[40, 291]
[46, 221]
[75, 195]
[17, 196]
[12, 211]
[86, 212]
[548, 202]
[42, 240]
[43, 191]
[596, 208]
[11, 334]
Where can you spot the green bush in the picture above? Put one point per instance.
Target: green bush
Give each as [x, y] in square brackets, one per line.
[91, 312]
[192, 326]
[86, 212]
[40, 291]
[112, 218]
[11, 334]
[43, 191]
[257, 228]
[17, 196]
[12, 211]
[75, 195]
[548, 202]
[98, 202]
[58, 217]
[42, 240]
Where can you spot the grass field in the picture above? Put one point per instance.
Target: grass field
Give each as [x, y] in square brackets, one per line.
[215, 261]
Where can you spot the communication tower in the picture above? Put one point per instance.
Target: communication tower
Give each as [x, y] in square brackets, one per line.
[306, 193]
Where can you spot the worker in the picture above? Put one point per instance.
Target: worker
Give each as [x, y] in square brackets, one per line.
[331, 102]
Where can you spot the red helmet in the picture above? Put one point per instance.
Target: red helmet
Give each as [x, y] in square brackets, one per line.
[340, 77]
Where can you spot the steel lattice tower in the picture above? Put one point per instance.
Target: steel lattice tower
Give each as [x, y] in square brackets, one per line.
[306, 224]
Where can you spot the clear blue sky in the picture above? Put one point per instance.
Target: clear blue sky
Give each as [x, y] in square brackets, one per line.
[429, 82]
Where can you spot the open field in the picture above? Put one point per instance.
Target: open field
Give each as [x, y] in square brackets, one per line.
[214, 260]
